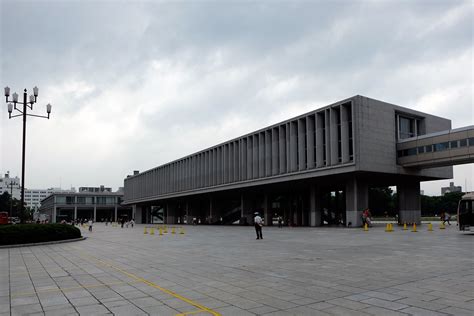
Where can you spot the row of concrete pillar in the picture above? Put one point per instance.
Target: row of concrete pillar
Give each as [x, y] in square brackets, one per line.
[309, 213]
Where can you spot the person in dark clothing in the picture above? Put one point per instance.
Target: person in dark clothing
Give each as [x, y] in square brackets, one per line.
[280, 222]
[258, 225]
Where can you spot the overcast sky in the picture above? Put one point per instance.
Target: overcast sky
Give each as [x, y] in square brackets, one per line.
[136, 84]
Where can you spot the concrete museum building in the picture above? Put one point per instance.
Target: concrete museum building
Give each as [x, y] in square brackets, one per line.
[302, 168]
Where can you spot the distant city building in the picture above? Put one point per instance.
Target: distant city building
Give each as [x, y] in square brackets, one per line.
[451, 188]
[100, 206]
[95, 189]
[10, 185]
[33, 197]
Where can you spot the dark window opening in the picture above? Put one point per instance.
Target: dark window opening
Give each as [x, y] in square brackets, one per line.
[441, 146]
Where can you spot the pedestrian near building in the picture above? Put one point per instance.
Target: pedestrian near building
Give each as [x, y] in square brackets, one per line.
[258, 222]
[446, 218]
[280, 222]
[90, 225]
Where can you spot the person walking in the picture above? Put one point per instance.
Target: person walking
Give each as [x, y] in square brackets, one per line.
[90, 225]
[280, 222]
[447, 218]
[258, 225]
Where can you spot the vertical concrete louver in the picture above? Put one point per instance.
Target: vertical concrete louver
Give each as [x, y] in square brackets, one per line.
[316, 140]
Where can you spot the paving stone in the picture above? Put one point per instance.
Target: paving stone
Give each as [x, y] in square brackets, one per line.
[416, 311]
[299, 270]
[385, 304]
[377, 311]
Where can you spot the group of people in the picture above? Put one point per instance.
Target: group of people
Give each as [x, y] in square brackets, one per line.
[366, 217]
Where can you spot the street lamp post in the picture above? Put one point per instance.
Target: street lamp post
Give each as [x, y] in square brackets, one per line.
[11, 198]
[23, 113]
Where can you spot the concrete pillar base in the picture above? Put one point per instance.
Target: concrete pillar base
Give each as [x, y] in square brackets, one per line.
[409, 217]
[409, 202]
[357, 199]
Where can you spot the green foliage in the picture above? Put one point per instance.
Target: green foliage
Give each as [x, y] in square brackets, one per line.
[382, 201]
[16, 206]
[435, 205]
[32, 233]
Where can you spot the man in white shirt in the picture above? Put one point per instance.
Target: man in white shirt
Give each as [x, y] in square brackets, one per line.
[258, 225]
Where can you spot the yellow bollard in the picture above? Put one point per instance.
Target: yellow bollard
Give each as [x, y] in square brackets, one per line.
[182, 231]
[152, 231]
[414, 228]
[430, 227]
[161, 232]
[144, 230]
[172, 230]
[165, 230]
[366, 227]
[387, 228]
[405, 226]
[441, 226]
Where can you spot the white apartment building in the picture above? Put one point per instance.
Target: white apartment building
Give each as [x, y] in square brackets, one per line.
[10, 185]
[33, 197]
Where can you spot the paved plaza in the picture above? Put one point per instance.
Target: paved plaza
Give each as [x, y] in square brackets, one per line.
[223, 270]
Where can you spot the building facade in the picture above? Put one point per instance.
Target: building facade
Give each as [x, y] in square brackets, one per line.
[304, 169]
[10, 185]
[100, 206]
[451, 188]
[33, 197]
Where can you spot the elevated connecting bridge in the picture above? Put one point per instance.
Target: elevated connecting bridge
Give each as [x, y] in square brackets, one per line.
[446, 148]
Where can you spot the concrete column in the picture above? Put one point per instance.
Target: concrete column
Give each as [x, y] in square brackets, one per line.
[211, 210]
[243, 159]
[334, 116]
[268, 153]
[327, 129]
[261, 155]
[255, 156]
[275, 152]
[246, 212]
[170, 214]
[310, 159]
[249, 157]
[138, 214]
[293, 146]
[282, 149]
[75, 212]
[304, 212]
[319, 140]
[409, 202]
[314, 206]
[357, 199]
[115, 212]
[53, 218]
[95, 213]
[345, 133]
[267, 214]
[301, 144]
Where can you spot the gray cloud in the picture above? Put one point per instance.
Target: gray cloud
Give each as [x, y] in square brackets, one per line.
[135, 84]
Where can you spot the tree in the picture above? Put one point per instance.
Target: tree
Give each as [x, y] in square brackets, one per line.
[382, 201]
[435, 205]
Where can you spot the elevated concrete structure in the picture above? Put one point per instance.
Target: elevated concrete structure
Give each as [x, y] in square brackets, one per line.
[293, 168]
[446, 148]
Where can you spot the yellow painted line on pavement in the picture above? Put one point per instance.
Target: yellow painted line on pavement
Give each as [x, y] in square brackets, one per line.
[80, 287]
[201, 308]
[190, 313]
